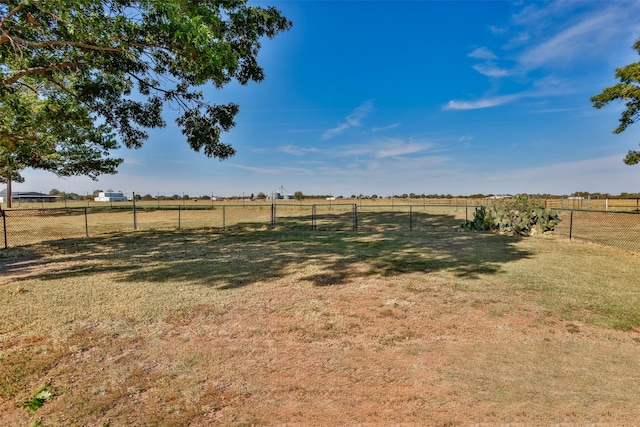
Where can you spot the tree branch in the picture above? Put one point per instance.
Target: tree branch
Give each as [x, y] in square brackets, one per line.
[58, 43]
[62, 87]
[6, 37]
[32, 89]
[183, 104]
[38, 70]
[13, 138]
[12, 12]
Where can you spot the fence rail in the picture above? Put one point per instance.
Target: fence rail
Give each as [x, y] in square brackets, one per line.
[27, 226]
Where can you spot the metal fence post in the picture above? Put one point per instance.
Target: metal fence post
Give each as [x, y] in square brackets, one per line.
[86, 223]
[4, 227]
[273, 215]
[178, 217]
[355, 217]
[313, 217]
[571, 225]
[224, 218]
[135, 219]
[410, 218]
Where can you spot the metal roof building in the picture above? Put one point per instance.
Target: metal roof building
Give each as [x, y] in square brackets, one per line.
[28, 197]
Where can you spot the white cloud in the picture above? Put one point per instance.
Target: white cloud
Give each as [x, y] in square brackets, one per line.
[273, 170]
[549, 41]
[482, 53]
[352, 120]
[465, 138]
[383, 128]
[398, 147]
[594, 175]
[497, 30]
[578, 40]
[533, 15]
[336, 131]
[491, 70]
[488, 67]
[481, 103]
[546, 43]
[422, 172]
[297, 151]
[565, 32]
[384, 148]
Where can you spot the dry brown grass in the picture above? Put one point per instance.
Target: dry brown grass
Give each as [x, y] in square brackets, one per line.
[618, 205]
[32, 226]
[617, 229]
[299, 328]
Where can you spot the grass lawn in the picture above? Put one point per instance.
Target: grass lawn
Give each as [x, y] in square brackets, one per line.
[318, 328]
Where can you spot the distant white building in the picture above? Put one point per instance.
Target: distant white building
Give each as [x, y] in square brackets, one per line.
[110, 196]
[500, 196]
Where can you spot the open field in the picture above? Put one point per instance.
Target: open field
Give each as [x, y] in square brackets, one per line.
[299, 328]
[28, 226]
[622, 205]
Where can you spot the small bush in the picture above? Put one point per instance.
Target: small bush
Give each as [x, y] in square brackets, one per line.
[523, 216]
[37, 401]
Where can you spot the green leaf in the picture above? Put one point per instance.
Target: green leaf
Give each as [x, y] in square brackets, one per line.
[80, 77]
[627, 91]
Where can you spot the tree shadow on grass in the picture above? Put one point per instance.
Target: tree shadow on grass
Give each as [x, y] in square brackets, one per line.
[243, 256]
[371, 221]
[19, 258]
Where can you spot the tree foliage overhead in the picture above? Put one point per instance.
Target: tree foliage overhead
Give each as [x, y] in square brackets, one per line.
[52, 134]
[76, 76]
[627, 91]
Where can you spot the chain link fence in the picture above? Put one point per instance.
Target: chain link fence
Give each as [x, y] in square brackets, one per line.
[616, 229]
[27, 226]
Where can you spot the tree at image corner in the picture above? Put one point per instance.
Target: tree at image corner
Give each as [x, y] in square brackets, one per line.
[78, 78]
[627, 91]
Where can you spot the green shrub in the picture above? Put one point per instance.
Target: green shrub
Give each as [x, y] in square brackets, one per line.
[42, 396]
[522, 216]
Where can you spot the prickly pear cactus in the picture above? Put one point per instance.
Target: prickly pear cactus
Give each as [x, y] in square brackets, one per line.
[522, 216]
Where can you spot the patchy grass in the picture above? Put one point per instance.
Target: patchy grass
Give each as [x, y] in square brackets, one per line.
[274, 327]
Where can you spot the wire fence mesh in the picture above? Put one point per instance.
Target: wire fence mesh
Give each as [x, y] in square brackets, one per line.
[27, 226]
[616, 229]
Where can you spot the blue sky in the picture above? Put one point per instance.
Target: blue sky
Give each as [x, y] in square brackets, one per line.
[382, 97]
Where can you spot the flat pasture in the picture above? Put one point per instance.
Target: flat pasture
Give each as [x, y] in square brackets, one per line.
[27, 226]
[561, 203]
[289, 326]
